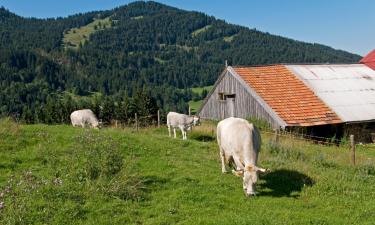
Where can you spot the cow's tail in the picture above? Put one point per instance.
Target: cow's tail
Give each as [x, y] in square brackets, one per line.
[255, 142]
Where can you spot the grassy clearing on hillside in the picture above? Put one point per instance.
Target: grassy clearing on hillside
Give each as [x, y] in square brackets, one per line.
[201, 30]
[159, 60]
[199, 90]
[195, 105]
[229, 39]
[65, 175]
[76, 36]
[136, 17]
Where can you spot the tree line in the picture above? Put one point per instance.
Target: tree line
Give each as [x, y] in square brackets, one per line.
[158, 49]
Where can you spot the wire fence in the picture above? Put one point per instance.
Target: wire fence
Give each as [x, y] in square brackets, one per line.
[297, 140]
[137, 122]
[304, 137]
[277, 137]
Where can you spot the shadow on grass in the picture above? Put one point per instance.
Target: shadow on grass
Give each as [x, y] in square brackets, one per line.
[153, 182]
[284, 183]
[203, 137]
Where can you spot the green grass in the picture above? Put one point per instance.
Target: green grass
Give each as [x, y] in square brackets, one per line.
[159, 60]
[64, 175]
[201, 30]
[136, 17]
[195, 105]
[76, 36]
[182, 47]
[199, 90]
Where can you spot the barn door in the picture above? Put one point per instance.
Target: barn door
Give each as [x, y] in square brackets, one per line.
[230, 105]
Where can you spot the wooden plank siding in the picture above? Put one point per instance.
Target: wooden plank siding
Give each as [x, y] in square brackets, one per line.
[246, 105]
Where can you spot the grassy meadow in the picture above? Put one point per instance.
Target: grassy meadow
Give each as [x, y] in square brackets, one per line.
[57, 174]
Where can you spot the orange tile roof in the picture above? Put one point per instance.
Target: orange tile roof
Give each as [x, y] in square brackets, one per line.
[288, 96]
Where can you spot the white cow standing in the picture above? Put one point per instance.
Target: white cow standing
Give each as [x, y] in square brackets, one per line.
[84, 118]
[182, 121]
[239, 142]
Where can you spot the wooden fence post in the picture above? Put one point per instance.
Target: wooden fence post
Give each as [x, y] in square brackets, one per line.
[189, 111]
[352, 145]
[277, 136]
[158, 118]
[136, 122]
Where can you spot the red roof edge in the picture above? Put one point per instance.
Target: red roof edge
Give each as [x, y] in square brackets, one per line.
[369, 57]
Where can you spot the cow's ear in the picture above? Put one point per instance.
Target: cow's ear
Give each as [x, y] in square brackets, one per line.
[249, 168]
[263, 170]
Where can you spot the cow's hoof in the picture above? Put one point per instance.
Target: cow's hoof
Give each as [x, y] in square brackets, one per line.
[251, 194]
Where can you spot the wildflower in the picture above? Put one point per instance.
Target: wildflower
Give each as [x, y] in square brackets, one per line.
[57, 181]
[7, 189]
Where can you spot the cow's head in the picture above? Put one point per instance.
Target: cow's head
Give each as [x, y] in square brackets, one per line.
[97, 125]
[196, 120]
[250, 178]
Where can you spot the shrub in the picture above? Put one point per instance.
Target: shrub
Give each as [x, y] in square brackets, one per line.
[102, 156]
[285, 152]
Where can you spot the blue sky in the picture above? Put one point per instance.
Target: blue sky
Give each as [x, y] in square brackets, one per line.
[347, 24]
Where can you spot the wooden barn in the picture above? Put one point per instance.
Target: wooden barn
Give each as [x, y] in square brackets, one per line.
[290, 96]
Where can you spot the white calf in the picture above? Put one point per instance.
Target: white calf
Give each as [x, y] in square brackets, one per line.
[182, 121]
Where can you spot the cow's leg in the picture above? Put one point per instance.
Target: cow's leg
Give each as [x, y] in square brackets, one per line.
[174, 132]
[238, 163]
[182, 132]
[222, 156]
[169, 130]
[185, 133]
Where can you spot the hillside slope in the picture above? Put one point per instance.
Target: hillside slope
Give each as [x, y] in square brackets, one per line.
[151, 47]
[65, 175]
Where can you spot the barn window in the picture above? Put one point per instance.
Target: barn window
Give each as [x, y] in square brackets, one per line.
[230, 96]
[222, 96]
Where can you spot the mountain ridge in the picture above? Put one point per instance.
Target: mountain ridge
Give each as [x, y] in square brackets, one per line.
[151, 48]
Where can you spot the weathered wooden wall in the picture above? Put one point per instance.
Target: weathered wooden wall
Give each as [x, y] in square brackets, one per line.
[245, 104]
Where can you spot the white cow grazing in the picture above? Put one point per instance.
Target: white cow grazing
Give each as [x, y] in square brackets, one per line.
[84, 118]
[239, 142]
[182, 121]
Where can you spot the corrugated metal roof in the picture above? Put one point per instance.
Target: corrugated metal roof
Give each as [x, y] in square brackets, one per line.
[349, 90]
[287, 95]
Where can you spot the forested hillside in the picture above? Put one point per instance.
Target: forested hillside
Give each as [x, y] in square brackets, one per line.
[145, 56]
